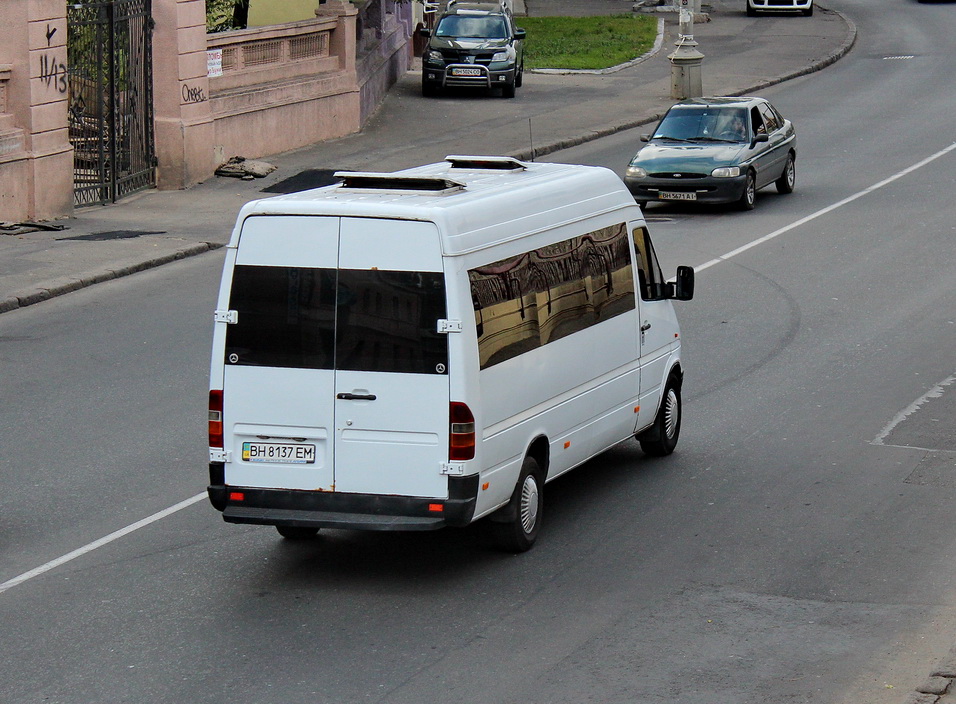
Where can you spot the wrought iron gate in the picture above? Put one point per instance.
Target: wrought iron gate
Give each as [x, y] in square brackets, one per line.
[109, 58]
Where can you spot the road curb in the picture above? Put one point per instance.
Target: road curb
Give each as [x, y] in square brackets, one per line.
[68, 285]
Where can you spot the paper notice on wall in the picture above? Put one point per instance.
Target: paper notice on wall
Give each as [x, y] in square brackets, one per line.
[214, 63]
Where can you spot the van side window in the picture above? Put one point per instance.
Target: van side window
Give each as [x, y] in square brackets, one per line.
[527, 301]
[650, 277]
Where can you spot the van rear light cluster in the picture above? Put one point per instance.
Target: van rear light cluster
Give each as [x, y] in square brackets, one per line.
[215, 418]
[461, 439]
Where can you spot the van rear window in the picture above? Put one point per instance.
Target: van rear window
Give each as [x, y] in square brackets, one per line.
[357, 320]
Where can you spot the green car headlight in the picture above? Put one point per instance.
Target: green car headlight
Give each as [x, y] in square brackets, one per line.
[726, 172]
[635, 172]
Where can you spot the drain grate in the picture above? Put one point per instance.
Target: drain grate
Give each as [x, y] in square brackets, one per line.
[303, 181]
[111, 235]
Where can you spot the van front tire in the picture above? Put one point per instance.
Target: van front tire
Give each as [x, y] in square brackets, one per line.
[661, 438]
[515, 527]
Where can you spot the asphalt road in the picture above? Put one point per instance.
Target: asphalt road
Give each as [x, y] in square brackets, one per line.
[798, 547]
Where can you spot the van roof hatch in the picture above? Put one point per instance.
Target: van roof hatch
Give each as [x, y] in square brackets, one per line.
[497, 163]
[392, 182]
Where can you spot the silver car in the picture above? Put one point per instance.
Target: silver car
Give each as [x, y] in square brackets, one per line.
[803, 6]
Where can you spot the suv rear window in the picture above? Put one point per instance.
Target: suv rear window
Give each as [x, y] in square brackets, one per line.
[358, 320]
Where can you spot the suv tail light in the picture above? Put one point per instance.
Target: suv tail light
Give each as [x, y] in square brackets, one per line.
[461, 439]
[215, 418]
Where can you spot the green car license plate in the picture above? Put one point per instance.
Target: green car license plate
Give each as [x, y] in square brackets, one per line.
[676, 195]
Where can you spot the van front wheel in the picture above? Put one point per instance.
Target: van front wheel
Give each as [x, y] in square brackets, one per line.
[661, 438]
[296, 532]
[516, 528]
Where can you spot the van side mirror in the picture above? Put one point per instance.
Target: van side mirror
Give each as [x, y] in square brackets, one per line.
[520, 33]
[684, 285]
[425, 32]
[645, 138]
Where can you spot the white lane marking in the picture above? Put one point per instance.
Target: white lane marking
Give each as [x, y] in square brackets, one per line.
[101, 542]
[828, 209]
[934, 392]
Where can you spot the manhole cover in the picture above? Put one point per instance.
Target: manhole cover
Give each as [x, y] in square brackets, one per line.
[303, 181]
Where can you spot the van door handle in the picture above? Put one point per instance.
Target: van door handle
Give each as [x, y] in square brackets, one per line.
[356, 397]
[645, 327]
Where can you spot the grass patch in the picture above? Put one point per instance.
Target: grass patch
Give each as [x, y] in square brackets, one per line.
[586, 42]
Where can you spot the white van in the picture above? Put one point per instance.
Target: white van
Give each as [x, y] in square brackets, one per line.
[425, 348]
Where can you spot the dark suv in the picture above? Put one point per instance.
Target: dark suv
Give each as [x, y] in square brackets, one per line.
[473, 45]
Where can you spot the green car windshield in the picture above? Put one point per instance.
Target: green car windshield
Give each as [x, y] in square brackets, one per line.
[704, 124]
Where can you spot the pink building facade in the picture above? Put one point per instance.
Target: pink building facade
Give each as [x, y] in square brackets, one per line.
[214, 96]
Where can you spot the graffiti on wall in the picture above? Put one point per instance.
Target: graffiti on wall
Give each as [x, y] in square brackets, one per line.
[193, 94]
[52, 70]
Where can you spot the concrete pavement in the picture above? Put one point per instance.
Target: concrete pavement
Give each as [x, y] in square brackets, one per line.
[551, 112]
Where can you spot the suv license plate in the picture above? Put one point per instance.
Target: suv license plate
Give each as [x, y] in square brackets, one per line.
[278, 453]
[466, 72]
[676, 195]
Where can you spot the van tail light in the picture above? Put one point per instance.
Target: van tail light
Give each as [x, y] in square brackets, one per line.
[461, 439]
[215, 418]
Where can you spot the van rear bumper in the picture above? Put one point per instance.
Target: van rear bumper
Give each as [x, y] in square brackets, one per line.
[325, 509]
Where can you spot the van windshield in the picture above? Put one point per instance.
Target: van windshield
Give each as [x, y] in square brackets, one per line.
[385, 321]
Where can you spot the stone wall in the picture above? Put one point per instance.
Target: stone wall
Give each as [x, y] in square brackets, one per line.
[285, 86]
[36, 161]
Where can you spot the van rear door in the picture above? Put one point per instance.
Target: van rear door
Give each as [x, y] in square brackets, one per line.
[278, 376]
[391, 381]
[336, 378]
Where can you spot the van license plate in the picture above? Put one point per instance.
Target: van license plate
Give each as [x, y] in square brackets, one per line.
[278, 453]
[676, 195]
[466, 72]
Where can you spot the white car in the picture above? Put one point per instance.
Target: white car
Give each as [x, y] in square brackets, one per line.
[803, 6]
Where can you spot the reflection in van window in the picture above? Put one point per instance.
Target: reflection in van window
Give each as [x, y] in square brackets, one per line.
[307, 318]
[285, 318]
[388, 322]
[527, 301]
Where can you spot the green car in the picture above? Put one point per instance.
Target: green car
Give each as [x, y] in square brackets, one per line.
[473, 46]
[715, 150]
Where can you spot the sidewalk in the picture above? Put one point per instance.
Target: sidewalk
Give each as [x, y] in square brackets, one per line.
[551, 112]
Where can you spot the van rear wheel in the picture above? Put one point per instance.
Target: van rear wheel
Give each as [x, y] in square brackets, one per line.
[516, 526]
[661, 438]
[297, 532]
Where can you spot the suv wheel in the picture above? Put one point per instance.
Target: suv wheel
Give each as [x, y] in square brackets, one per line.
[508, 89]
[519, 76]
